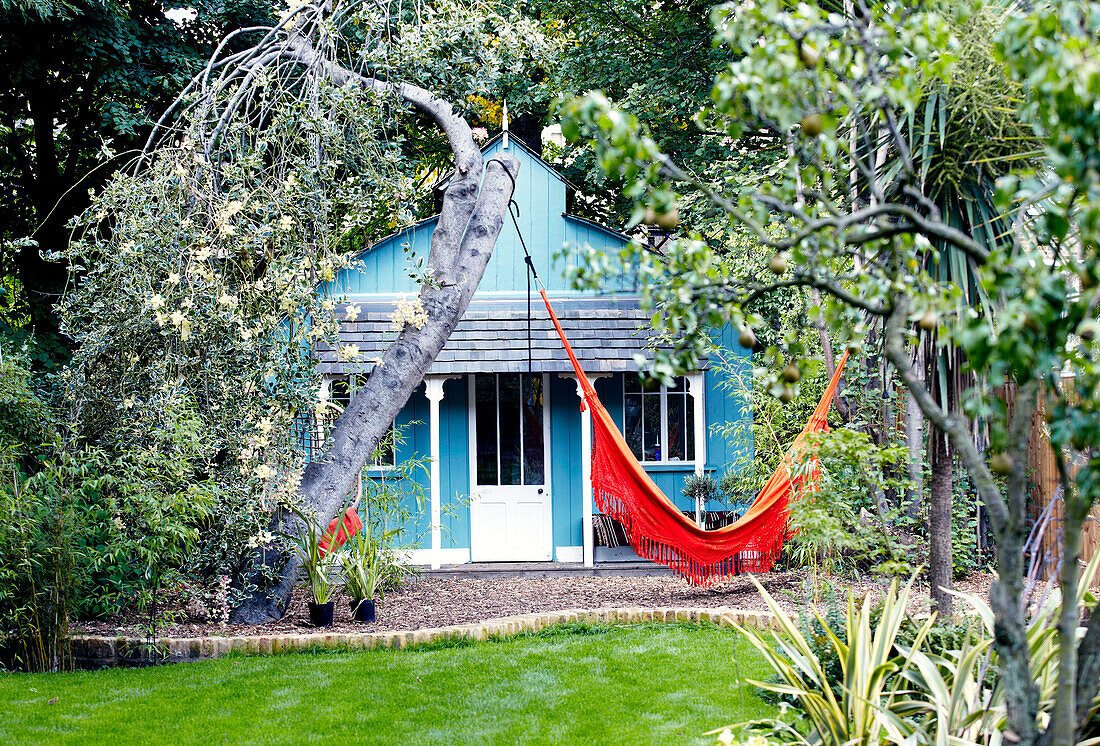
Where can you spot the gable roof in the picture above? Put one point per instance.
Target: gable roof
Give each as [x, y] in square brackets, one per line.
[490, 144]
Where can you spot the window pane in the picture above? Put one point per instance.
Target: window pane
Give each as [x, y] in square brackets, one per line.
[679, 385]
[340, 392]
[651, 427]
[632, 421]
[510, 435]
[689, 426]
[386, 455]
[631, 383]
[532, 430]
[485, 424]
[675, 427]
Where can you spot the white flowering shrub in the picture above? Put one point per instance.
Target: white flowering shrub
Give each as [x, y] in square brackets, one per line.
[200, 289]
[201, 274]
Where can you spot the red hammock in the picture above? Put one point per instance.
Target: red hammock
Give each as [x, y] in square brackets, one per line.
[658, 530]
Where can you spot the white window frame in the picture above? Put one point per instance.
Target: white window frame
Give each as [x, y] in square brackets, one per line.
[472, 415]
[689, 401]
[372, 469]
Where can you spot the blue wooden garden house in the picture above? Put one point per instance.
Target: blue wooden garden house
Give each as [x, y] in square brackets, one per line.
[500, 419]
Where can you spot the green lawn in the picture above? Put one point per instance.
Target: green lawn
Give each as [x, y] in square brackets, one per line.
[630, 685]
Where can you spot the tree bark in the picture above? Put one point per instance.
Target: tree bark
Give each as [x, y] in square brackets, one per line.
[914, 442]
[472, 215]
[1068, 713]
[940, 560]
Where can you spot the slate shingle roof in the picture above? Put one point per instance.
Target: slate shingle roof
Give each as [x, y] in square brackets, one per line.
[605, 333]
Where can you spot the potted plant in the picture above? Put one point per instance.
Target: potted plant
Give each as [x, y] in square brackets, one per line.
[701, 488]
[365, 570]
[322, 569]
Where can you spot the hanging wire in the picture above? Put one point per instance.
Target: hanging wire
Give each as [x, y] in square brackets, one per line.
[513, 210]
[530, 272]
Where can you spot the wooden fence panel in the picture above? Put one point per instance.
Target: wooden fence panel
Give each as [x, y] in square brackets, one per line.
[1045, 487]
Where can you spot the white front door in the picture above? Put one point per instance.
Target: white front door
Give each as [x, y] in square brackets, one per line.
[510, 518]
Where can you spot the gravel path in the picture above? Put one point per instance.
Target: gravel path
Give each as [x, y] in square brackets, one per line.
[440, 601]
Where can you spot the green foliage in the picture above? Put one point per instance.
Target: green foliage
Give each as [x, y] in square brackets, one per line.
[322, 567]
[362, 562]
[43, 563]
[390, 500]
[871, 705]
[702, 488]
[845, 521]
[84, 81]
[873, 674]
[653, 60]
[942, 635]
[896, 118]
[86, 531]
[965, 555]
[140, 511]
[26, 422]
[40, 552]
[151, 505]
[205, 285]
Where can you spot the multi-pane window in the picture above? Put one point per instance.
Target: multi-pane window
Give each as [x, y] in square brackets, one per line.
[659, 421]
[340, 393]
[508, 424]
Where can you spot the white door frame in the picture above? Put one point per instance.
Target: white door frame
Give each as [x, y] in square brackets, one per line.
[547, 542]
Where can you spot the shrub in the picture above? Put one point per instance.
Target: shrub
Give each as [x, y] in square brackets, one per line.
[701, 488]
[872, 674]
[40, 557]
[845, 521]
[145, 505]
[41, 563]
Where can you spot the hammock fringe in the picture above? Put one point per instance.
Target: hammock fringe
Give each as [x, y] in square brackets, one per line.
[698, 572]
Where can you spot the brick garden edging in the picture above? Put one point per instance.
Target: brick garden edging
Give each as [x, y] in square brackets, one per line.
[91, 651]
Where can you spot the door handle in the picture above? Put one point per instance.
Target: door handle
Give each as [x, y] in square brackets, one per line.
[540, 490]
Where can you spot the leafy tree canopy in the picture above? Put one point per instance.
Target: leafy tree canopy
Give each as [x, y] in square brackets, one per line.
[83, 81]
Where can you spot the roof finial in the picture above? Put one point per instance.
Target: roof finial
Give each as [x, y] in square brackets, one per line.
[504, 125]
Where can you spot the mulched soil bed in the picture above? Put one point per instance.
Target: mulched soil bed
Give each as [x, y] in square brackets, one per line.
[440, 601]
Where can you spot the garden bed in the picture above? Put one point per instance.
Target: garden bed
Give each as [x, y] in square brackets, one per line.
[425, 602]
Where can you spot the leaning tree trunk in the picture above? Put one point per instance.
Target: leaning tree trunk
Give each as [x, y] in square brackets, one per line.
[472, 215]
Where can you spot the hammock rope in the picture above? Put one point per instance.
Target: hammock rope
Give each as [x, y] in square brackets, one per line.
[659, 531]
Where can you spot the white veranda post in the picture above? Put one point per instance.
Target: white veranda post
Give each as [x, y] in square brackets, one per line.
[433, 389]
[586, 471]
[586, 478]
[695, 389]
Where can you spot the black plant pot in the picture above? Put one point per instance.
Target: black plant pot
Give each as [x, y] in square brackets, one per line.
[361, 610]
[320, 615]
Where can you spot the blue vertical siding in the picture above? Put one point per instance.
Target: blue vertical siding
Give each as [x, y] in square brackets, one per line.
[566, 462]
[541, 194]
[728, 401]
[413, 419]
[454, 439]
